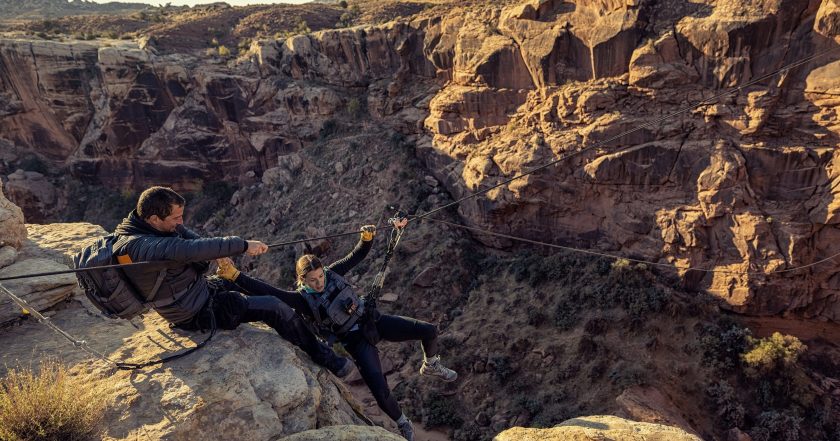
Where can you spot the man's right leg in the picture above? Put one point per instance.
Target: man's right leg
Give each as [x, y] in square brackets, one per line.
[291, 327]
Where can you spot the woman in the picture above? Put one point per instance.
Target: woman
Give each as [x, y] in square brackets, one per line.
[326, 298]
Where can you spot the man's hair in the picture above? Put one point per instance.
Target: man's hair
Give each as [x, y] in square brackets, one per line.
[158, 201]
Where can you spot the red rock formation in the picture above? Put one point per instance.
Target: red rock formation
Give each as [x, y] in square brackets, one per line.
[747, 184]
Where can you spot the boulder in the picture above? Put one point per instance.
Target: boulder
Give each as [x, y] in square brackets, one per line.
[247, 383]
[12, 229]
[59, 242]
[598, 428]
[7, 256]
[426, 278]
[33, 193]
[345, 433]
[39, 292]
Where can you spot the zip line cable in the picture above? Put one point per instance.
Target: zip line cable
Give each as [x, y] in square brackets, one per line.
[77, 270]
[424, 216]
[45, 320]
[704, 102]
[613, 256]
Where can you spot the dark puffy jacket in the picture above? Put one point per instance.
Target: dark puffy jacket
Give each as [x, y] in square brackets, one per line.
[185, 256]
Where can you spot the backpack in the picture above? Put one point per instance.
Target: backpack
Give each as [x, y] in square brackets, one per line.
[109, 289]
[113, 293]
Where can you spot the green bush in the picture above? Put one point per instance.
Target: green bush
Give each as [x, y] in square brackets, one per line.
[624, 375]
[772, 365]
[441, 411]
[49, 405]
[769, 356]
[722, 345]
[33, 163]
[776, 426]
[724, 399]
[502, 368]
[354, 108]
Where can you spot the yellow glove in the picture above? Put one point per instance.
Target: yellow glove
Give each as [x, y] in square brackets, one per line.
[368, 231]
[226, 269]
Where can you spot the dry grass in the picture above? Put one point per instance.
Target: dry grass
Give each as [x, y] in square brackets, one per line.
[49, 404]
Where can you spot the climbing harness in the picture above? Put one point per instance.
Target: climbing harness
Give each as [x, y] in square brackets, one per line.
[337, 308]
[341, 306]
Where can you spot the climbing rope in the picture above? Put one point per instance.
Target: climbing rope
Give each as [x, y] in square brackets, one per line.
[616, 257]
[46, 321]
[649, 124]
[373, 292]
[82, 344]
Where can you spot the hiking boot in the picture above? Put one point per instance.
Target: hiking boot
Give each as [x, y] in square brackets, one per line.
[345, 369]
[433, 367]
[406, 428]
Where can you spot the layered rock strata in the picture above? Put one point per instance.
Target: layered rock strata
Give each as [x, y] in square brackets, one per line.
[745, 186]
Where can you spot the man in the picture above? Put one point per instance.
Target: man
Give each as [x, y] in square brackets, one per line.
[181, 294]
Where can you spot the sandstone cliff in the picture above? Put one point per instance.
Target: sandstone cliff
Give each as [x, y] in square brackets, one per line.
[746, 185]
[597, 428]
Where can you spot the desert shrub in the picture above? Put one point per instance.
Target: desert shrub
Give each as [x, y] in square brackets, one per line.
[631, 288]
[397, 139]
[566, 315]
[536, 316]
[767, 356]
[33, 163]
[49, 405]
[555, 408]
[624, 375]
[597, 370]
[776, 426]
[328, 129]
[597, 326]
[722, 345]
[224, 51]
[469, 432]
[212, 197]
[354, 108]
[772, 365]
[301, 28]
[502, 368]
[343, 4]
[723, 398]
[441, 411]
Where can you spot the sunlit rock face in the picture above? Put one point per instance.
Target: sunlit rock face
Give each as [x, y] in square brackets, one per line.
[745, 185]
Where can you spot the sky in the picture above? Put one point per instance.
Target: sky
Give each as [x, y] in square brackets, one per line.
[198, 2]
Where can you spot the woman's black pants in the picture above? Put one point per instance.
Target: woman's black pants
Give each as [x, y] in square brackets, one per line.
[366, 355]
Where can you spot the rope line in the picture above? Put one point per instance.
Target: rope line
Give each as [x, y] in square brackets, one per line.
[76, 270]
[614, 256]
[45, 320]
[704, 102]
